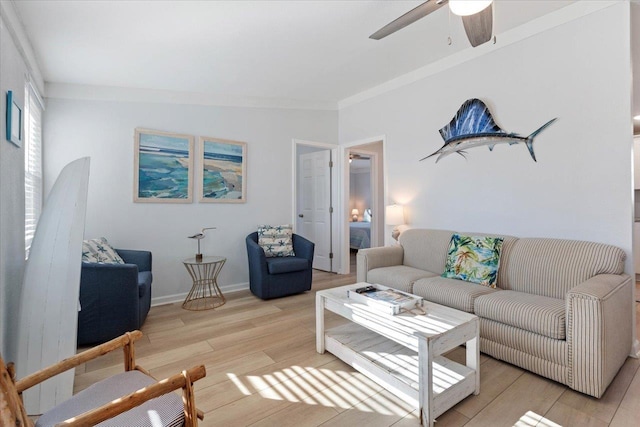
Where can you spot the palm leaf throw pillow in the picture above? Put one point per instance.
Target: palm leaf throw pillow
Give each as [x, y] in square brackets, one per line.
[474, 259]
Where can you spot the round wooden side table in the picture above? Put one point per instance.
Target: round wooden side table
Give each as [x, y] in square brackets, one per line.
[205, 293]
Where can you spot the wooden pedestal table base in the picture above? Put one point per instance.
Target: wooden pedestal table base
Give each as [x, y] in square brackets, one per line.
[205, 293]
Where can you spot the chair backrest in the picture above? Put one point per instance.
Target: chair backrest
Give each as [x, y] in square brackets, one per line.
[12, 412]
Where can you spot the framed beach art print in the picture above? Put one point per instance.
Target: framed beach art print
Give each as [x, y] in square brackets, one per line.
[163, 167]
[14, 120]
[223, 170]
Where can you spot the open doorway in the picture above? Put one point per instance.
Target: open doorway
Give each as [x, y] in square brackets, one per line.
[314, 190]
[363, 191]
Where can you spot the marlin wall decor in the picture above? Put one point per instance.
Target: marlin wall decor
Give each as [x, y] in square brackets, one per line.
[473, 126]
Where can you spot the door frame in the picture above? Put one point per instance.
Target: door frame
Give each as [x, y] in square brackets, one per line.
[374, 190]
[343, 156]
[336, 265]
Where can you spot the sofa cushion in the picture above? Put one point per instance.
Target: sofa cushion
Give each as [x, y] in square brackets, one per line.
[539, 314]
[276, 241]
[453, 293]
[550, 267]
[144, 282]
[100, 251]
[278, 265]
[425, 249]
[473, 259]
[399, 277]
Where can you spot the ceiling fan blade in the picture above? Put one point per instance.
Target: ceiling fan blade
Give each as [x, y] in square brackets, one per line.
[479, 26]
[410, 17]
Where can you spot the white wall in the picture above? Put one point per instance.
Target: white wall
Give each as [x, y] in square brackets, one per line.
[581, 185]
[17, 64]
[12, 77]
[104, 130]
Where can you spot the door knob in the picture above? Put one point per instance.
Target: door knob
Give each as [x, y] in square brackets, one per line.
[301, 215]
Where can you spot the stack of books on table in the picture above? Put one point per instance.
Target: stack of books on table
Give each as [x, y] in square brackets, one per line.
[391, 301]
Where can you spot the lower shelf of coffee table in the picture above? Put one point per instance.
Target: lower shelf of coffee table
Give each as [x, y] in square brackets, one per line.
[397, 368]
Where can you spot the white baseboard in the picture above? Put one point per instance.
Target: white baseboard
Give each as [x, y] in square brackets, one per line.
[170, 299]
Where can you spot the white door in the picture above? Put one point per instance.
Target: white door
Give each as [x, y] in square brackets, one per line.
[315, 215]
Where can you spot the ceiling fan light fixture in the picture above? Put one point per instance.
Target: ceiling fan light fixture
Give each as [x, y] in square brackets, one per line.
[468, 7]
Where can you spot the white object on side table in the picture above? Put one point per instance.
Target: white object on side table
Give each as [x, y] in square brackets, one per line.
[403, 353]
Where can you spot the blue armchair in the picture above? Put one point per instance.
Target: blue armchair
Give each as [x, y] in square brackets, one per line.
[114, 298]
[279, 276]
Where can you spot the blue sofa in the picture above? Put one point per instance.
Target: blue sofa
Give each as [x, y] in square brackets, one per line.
[114, 298]
[276, 277]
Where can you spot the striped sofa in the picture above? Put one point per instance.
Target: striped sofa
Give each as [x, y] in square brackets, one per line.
[561, 309]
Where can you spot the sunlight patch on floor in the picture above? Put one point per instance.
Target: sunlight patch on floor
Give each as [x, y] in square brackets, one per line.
[531, 419]
[318, 386]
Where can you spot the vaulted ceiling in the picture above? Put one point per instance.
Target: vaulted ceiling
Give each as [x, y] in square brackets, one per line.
[313, 51]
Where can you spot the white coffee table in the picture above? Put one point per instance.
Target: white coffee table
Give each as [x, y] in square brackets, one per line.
[403, 353]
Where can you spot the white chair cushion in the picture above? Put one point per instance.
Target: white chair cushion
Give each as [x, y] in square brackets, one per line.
[166, 410]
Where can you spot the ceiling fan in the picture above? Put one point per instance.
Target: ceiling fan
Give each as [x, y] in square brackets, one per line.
[477, 18]
[356, 156]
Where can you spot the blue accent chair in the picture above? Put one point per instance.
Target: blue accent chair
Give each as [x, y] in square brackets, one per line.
[276, 277]
[114, 298]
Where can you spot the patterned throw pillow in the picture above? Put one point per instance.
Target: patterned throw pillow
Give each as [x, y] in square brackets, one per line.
[276, 241]
[100, 251]
[474, 259]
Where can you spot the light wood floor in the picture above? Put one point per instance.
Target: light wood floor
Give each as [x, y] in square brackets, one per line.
[263, 370]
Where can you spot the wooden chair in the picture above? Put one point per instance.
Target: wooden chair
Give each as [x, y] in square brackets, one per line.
[12, 412]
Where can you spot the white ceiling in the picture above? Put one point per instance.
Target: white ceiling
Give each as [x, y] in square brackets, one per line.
[315, 51]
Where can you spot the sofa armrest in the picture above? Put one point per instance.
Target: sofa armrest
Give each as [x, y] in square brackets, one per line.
[109, 301]
[257, 258]
[140, 258]
[386, 256]
[599, 317]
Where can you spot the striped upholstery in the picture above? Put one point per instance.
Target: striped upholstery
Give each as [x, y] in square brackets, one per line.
[538, 346]
[369, 259]
[550, 267]
[525, 360]
[534, 313]
[453, 293]
[562, 308]
[428, 249]
[598, 327]
[399, 276]
[166, 410]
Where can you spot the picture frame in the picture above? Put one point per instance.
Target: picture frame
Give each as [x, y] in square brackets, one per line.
[14, 120]
[163, 167]
[222, 170]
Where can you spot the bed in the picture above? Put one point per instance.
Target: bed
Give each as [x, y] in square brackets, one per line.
[359, 235]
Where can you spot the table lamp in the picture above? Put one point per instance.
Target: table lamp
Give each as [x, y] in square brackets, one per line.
[394, 215]
[354, 215]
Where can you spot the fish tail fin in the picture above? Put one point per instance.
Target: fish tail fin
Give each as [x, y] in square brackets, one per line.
[535, 133]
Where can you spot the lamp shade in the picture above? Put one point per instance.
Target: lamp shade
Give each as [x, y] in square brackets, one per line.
[394, 215]
[468, 7]
[354, 211]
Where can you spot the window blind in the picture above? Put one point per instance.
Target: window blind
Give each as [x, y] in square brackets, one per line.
[32, 164]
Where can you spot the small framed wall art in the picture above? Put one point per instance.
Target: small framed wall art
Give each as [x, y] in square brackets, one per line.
[14, 120]
[223, 170]
[163, 167]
